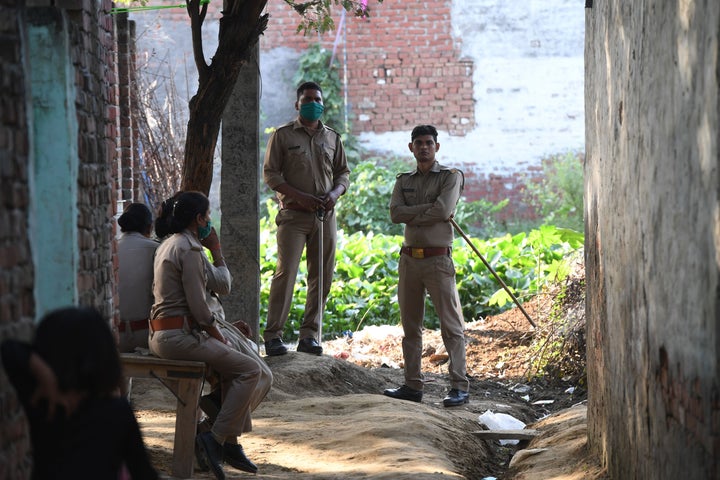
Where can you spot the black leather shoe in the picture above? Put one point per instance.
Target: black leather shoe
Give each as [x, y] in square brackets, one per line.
[235, 457]
[211, 452]
[309, 345]
[200, 463]
[456, 397]
[404, 393]
[275, 347]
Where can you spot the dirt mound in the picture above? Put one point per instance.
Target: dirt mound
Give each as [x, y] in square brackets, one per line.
[298, 375]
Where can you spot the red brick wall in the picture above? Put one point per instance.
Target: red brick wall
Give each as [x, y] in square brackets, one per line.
[16, 270]
[495, 188]
[404, 67]
[92, 37]
[125, 62]
[92, 49]
[17, 304]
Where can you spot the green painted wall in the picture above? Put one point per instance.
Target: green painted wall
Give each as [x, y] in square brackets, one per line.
[53, 219]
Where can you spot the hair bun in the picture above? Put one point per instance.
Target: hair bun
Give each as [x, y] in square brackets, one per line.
[136, 218]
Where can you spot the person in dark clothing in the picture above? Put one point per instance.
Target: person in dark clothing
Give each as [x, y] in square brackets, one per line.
[68, 382]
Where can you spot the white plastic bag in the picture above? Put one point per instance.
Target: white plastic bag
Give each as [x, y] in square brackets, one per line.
[501, 421]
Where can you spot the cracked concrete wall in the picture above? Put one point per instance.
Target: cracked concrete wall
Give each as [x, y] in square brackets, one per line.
[652, 237]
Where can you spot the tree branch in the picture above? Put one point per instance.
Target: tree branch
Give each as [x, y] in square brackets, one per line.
[196, 21]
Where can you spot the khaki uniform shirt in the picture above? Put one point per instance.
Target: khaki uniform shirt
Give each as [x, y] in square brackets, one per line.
[312, 164]
[135, 275]
[424, 203]
[219, 282]
[181, 279]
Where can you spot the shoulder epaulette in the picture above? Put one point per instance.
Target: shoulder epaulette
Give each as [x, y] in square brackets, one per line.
[331, 129]
[455, 170]
[285, 125]
[402, 173]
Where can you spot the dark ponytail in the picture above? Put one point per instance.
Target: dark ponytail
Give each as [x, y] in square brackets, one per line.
[177, 212]
[162, 222]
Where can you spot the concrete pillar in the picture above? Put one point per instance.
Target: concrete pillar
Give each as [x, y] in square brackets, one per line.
[239, 197]
[652, 243]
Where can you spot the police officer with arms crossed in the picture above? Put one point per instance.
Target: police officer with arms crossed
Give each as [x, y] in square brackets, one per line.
[424, 200]
[305, 164]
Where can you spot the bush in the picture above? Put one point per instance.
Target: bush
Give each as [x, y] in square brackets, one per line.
[364, 290]
[367, 208]
[558, 197]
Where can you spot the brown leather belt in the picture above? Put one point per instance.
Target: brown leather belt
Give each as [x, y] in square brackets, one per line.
[424, 252]
[134, 325]
[170, 323]
[296, 206]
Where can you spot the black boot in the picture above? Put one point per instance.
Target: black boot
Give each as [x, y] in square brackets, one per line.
[235, 457]
[211, 452]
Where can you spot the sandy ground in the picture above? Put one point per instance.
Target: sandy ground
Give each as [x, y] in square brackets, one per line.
[303, 430]
[325, 417]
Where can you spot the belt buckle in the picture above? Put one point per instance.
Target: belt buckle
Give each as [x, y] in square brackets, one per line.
[417, 253]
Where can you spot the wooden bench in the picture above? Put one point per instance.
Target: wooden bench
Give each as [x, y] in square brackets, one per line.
[184, 379]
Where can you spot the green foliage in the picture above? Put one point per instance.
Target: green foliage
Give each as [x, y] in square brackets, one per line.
[526, 262]
[559, 344]
[317, 14]
[481, 217]
[364, 290]
[558, 196]
[367, 208]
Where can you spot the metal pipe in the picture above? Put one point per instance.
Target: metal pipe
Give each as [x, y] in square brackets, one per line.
[512, 295]
[321, 259]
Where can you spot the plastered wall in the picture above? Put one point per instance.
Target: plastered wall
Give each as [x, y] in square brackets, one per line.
[652, 237]
[405, 65]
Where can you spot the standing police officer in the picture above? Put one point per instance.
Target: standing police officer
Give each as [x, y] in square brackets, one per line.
[424, 200]
[305, 164]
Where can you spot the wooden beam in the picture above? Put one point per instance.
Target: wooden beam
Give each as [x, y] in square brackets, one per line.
[526, 434]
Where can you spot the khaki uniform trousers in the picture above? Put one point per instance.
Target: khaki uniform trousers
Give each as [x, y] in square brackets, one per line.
[436, 276]
[244, 345]
[296, 230]
[239, 372]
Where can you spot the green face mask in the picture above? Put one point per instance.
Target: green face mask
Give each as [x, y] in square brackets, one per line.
[311, 111]
[204, 232]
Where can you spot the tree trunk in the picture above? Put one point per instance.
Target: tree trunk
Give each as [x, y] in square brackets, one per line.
[240, 29]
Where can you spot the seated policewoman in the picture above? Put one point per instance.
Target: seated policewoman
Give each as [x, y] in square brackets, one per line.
[184, 327]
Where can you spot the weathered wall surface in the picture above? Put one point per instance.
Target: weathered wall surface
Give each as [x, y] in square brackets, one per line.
[653, 237]
[92, 37]
[16, 276]
[17, 307]
[404, 64]
[85, 37]
[526, 78]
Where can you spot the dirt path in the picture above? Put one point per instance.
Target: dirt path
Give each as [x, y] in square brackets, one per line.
[325, 417]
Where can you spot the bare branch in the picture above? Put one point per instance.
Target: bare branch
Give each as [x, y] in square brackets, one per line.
[196, 22]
